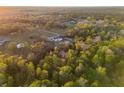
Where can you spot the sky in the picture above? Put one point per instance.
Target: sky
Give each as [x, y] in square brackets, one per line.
[61, 2]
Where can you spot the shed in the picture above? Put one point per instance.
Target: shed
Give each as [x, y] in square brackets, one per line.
[20, 45]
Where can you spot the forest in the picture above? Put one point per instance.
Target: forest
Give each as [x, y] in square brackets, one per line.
[62, 47]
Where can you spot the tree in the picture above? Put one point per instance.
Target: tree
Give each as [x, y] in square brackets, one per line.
[96, 60]
[96, 83]
[46, 83]
[36, 83]
[77, 45]
[38, 72]
[84, 56]
[91, 74]
[70, 84]
[30, 72]
[3, 67]
[70, 56]
[109, 56]
[44, 74]
[101, 70]
[55, 77]
[56, 60]
[12, 67]
[79, 69]
[21, 75]
[84, 25]
[65, 74]
[10, 81]
[81, 82]
[38, 51]
[3, 79]
[12, 46]
[46, 66]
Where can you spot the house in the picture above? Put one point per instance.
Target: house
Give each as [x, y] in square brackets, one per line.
[70, 23]
[20, 45]
[56, 38]
[60, 40]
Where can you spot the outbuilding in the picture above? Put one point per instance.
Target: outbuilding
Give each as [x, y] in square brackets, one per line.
[20, 45]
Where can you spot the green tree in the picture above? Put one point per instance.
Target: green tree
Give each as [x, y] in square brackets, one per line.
[3, 79]
[65, 74]
[101, 70]
[31, 72]
[70, 56]
[46, 83]
[36, 83]
[79, 69]
[44, 74]
[81, 82]
[10, 81]
[38, 72]
[70, 84]
[3, 67]
[11, 46]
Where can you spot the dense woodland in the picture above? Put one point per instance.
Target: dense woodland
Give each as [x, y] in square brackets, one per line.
[94, 57]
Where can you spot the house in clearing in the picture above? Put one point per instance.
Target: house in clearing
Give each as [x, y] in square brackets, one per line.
[60, 39]
[56, 38]
[20, 45]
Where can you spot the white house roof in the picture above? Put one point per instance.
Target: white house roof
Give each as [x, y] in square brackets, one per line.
[20, 45]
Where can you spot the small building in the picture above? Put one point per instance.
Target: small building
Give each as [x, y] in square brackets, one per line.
[20, 45]
[70, 23]
[56, 38]
[60, 40]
